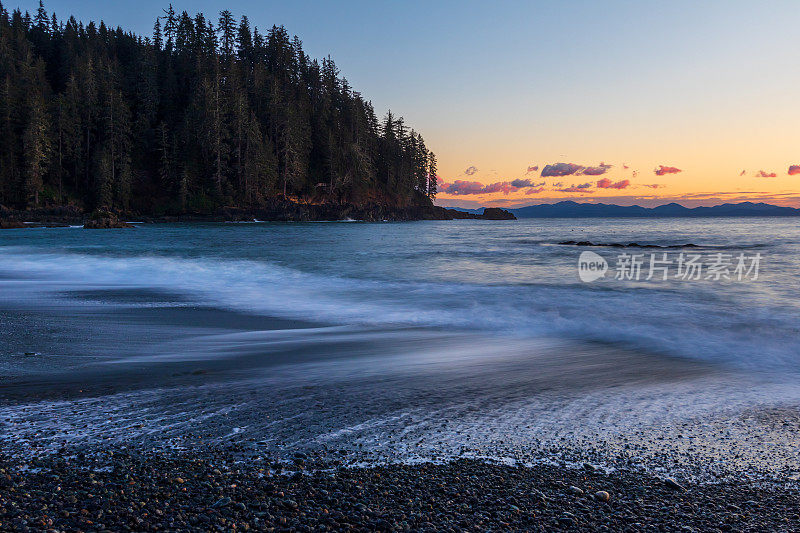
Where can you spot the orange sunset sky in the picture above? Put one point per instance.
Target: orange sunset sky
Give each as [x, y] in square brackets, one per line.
[711, 89]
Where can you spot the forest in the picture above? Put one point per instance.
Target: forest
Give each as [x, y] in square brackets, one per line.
[201, 114]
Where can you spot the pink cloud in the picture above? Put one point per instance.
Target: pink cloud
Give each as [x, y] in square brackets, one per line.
[582, 188]
[794, 169]
[569, 169]
[606, 183]
[602, 168]
[762, 174]
[662, 170]
[462, 187]
[520, 183]
[535, 191]
[533, 168]
[501, 186]
[742, 173]
[654, 185]
[561, 169]
[471, 170]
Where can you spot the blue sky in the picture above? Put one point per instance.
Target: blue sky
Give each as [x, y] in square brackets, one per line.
[709, 87]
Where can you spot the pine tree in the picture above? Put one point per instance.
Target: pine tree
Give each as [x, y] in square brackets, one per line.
[227, 30]
[158, 40]
[295, 150]
[41, 20]
[195, 117]
[36, 148]
[166, 165]
[58, 164]
[170, 27]
[433, 185]
[9, 173]
[244, 40]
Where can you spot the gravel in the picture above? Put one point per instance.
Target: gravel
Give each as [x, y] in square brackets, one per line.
[216, 490]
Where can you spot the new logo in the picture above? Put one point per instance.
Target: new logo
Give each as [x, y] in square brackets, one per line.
[591, 266]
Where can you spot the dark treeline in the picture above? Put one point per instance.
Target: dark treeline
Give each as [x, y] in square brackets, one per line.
[198, 116]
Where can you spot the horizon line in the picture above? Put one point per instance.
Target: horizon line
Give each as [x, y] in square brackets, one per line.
[619, 205]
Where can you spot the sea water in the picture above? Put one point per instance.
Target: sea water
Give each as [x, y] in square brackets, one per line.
[409, 341]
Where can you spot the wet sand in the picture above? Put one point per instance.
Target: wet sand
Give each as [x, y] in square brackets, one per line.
[190, 377]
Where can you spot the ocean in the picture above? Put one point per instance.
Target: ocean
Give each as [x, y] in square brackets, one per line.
[410, 341]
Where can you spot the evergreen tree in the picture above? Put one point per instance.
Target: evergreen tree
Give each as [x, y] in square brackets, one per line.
[158, 40]
[433, 184]
[36, 148]
[194, 117]
[227, 30]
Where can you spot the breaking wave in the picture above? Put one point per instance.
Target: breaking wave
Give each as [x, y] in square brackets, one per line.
[702, 325]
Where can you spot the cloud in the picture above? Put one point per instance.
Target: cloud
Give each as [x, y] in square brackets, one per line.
[654, 185]
[762, 174]
[576, 189]
[533, 168]
[625, 167]
[520, 183]
[794, 169]
[662, 170]
[791, 199]
[602, 168]
[462, 187]
[569, 169]
[561, 169]
[535, 191]
[465, 187]
[582, 188]
[471, 170]
[606, 183]
[742, 173]
[501, 186]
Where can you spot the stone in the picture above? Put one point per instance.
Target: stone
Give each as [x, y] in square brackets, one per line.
[105, 219]
[602, 496]
[11, 224]
[671, 483]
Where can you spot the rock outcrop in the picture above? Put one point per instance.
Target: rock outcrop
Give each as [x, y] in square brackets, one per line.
[11, 224]
[273, 210]
[489, 213]
[495, 213]
[104, 219]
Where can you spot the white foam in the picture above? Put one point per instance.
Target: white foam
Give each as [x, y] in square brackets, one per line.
[654, 320]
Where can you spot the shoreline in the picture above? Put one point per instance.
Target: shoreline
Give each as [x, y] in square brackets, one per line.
[279, 211]
[142, 359]
[122, 490]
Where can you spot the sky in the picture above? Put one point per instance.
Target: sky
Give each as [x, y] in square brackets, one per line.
[627, 102]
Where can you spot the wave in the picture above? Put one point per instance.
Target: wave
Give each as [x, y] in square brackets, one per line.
[706, 325]
[662, 246]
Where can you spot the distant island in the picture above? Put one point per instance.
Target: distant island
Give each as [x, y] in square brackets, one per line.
[200, 119]
[570, 209]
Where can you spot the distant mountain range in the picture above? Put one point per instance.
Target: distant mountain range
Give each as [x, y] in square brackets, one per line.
[570, 209]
